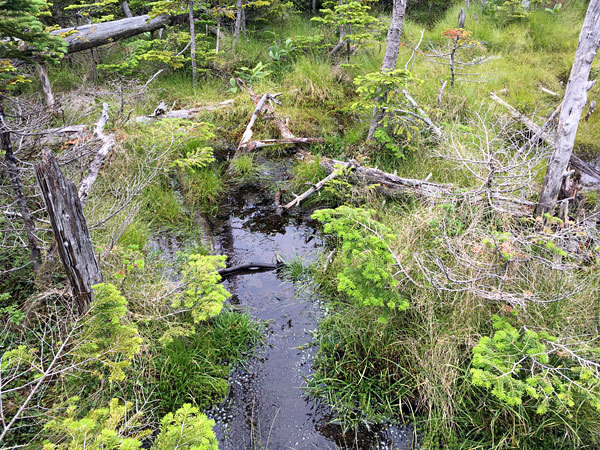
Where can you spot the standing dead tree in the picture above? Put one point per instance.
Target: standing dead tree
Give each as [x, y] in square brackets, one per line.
[70, 229]
[572, 107]
[390, 58]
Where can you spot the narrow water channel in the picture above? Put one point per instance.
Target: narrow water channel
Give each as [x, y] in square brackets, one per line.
[266, 407]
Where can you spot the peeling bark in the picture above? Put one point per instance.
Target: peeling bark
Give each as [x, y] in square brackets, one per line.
[574, 101]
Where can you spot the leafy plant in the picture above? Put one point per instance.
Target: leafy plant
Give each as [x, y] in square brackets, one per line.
[115, 427]
[253, 74]
[528, 367]
[187, 429]
[368, 264]
[282, 54]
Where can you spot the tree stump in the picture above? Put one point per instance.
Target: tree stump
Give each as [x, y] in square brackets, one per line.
[70, 229]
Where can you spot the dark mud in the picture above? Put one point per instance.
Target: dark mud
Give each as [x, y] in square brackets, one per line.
[266, 406]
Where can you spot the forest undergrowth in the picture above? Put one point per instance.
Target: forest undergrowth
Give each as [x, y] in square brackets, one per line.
[460, 314]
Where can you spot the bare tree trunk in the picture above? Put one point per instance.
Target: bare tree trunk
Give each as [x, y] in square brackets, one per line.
[192, 41]
[126, 10]
[244, 22]
[17, 187]
[314, 7]
[45, 82]
[218, 33]
[238, 22]
[572, 107]
[70, 229]
[390, 58]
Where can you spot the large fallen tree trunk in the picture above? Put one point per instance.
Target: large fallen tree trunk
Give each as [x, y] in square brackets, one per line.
[93, 35]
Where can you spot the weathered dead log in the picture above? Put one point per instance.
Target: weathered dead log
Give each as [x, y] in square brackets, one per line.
[253, 266]
[315, 188]
[184, 113]
[54, 136]
[126, 9]
[270, 142]
[247, 136]
[93, 35]
[108, 142]
[391, 185]
[70, 229]
[286, 133]
[576, 162]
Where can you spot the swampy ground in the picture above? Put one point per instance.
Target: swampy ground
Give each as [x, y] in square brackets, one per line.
[398, 321]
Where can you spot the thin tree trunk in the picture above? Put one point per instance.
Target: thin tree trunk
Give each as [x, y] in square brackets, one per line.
[390, 58]
[45, 82]
[192, 41]
[572, 107]
[218, 33]
[70, 229]
[314, 7]
[244, 22]
[238, 22]
[126, 10]
[17, 187]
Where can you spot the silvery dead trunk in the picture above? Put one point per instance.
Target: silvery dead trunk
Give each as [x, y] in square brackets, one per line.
[126, 9]
[45, 83]
[192, 41]
[238, 22]
[572, 107]
[392, 47]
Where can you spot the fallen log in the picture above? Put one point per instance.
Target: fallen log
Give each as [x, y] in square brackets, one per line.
[389, 184]
[576, 162]
[252, 266]
[184, 113]
[257, 111]
[317, 187]
[84, 37]
[290, 141]
[108, 142]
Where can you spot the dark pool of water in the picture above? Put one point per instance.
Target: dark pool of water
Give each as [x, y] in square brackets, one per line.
[266, 406]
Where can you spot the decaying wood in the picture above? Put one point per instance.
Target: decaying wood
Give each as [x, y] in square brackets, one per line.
[93, 35]
[286, 133]
[576, 162]
[269, 142]
[108, 142]
[548, 91]
[315, 188]
[45, 83]
[254, 266]
[573, 103]
[390, 185]
[184, 113]
[70, 229]
[247, 136]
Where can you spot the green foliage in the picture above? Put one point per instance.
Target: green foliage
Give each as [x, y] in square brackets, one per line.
[360, 368]
[100, 10]
[24, 37]
[282, 54]
[202, 296]
[252, 75]
[524, 367]
[354, 16]
[14, 314]
[244, 168]
[115, 427]
[196, 368]
[506, 11]
[368, 270]
[187, 429]
[120, 427]
[107, 337]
